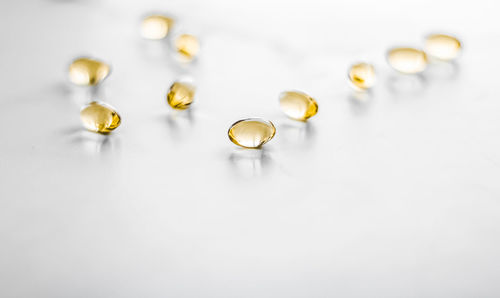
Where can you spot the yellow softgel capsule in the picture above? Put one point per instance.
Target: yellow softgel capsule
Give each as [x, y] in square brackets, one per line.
[407, 60]
[362, 76]
[187, 46]
[298, 105]
[88, 71]
[180, 95]
[442, 47]
[99, 117]
[156, 26]
[251, 132]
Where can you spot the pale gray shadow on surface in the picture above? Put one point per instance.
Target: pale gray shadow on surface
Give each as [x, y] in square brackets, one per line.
[442, 71]
[154, 51]
[91, 142]
[250, 162]
[80, 95]
[179, 122]
[406, 84]
[297, 135]
[61, 91]
[360, 101]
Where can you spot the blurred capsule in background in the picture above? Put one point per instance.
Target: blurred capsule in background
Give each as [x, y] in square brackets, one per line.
[251, 132]
[156, 26]
[99, 117]
[442, 47]
[362, 76]
[181, 95]
[298, 105]
[187, 47]
[87, 71]
[407, 60]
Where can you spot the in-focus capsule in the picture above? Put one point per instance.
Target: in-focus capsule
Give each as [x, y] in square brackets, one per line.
[251, 132]
[442, 47]
[180, 95]
[187, 46]
[362, 76]
[88, 71]
[156, 26]
[298, 105]
[407, 60]
[99, 117]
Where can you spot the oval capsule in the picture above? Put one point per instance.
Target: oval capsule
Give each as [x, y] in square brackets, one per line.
[156, 26]
[362, 76]
[298, 105]
[88, 71]
[99, 117]
[187, 46]
[180, 95]
[407, 60]
[442, 46]
[251, 132]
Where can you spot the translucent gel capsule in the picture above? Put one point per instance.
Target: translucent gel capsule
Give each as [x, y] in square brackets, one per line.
[298, 105]
[407, 60]
[156, 26]
[87, 71]
[443, 47]
[362, 76]
[187, 46]
[99, 117]
[251, 132]
[180, 95]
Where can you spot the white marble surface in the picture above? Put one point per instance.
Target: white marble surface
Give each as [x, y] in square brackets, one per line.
[394, 196]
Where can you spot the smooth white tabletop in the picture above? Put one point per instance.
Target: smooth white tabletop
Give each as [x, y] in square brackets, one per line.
[396, 194]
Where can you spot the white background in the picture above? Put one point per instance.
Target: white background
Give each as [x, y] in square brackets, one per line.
[392, 195]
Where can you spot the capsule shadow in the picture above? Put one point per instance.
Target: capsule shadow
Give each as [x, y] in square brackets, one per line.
[360, 101]
[250, 162]
[179, 122]
[442, 70]
[92, 142]
[406, 83]
[83, 95]
[297, 134]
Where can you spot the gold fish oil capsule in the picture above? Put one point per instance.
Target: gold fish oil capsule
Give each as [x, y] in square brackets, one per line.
[156, 26]
[442, 46]
[88, 71]
[180, 95]
[99, 117]
[407, 60]
[298, 105]
[251, 132]
[187, 46]
[362, 76]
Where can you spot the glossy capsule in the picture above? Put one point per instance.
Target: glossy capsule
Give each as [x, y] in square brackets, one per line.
[180, 95]
[298, 105]
[156, 26]
[407, 60]
[99, 117]
[88, 71]
[442, 47]
[251, 132]
[362, 76]
[187, 46]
